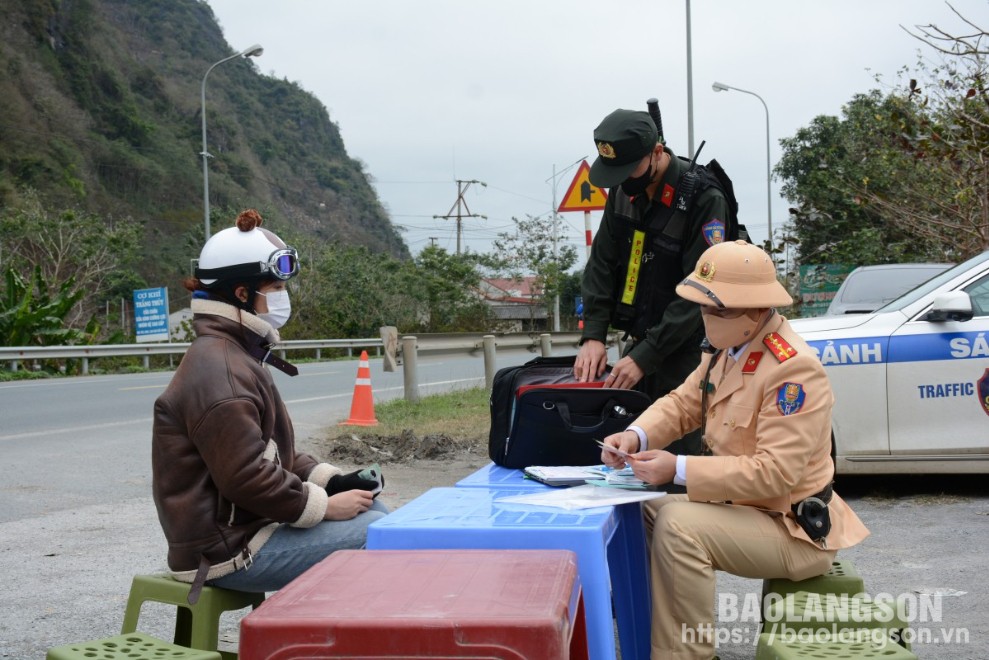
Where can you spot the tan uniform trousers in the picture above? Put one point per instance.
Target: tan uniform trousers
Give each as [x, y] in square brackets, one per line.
[689, 541]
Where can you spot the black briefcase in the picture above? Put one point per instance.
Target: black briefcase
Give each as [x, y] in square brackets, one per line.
[541, 416]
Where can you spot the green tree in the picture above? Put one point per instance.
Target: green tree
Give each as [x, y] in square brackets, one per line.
[827, 169]
[901, 176]
[449, 285]
[534, 248]
[93, 128]
[31, 314]
[347, 291]
[94, 257]
[949, 143]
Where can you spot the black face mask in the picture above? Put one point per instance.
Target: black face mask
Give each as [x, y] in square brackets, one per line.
[638, 185]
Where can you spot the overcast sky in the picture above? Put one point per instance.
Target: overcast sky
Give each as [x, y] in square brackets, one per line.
[503, 91]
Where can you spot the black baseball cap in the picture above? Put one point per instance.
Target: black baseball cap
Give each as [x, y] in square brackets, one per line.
[622, 139]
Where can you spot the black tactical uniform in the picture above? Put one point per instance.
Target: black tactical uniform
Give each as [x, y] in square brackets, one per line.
[642, 250]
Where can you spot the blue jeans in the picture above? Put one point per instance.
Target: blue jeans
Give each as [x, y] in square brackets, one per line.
[292, 550]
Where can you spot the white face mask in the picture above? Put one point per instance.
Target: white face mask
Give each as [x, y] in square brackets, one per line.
[279, 308]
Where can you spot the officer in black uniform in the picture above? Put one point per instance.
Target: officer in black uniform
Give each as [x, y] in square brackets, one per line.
[657, 222]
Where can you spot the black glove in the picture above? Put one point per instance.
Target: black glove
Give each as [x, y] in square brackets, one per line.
[339, 483]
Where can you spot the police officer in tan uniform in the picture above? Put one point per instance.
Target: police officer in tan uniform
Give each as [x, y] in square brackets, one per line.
[764, 403]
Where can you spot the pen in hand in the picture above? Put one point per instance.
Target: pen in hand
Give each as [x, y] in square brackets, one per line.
[615, 450]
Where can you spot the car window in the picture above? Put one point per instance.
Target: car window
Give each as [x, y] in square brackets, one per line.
[882, 284]
[934, 283]
[979, 292]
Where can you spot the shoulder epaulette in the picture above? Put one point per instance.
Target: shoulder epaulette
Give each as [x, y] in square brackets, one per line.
[779, 347]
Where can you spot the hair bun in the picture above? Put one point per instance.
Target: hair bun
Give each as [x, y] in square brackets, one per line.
[248, 220]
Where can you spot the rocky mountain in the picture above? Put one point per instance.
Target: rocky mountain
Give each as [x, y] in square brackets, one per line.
[100, 110]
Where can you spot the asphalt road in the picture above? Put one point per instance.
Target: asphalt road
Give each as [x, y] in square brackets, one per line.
[60, 436]
[76, 516]
[77, 521]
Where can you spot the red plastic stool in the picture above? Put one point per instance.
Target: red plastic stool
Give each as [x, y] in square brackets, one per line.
[506, 604]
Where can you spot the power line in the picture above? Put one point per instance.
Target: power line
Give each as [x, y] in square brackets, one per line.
[509, 192]
[411, 182]
[461, 205]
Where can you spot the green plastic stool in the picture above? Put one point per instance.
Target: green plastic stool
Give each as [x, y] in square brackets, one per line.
[862, 648]
[132, 645]
[840, 612]
[196, 626]
[841, 578]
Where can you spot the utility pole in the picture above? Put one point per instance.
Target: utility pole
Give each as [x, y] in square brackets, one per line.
[556, 298]
[460, 206]
[432, 241]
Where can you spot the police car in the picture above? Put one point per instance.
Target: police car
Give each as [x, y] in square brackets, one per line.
[911, 380]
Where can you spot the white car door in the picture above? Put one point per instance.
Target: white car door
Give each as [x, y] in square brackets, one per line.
[938, 383]
[853, 349]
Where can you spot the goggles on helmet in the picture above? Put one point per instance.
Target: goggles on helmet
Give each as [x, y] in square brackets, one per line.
[283, 264]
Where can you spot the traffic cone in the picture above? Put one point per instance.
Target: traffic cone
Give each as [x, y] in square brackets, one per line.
[362, 405]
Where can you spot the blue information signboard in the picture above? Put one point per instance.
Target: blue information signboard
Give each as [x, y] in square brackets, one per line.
[151, 314]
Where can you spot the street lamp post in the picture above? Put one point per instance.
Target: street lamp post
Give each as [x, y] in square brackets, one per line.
[253, 51]
[690, 91]
[721, 87]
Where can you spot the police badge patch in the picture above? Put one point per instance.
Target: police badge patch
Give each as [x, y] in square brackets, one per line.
[982, 389]
[790, 398]
[714, 231]
[606, 150]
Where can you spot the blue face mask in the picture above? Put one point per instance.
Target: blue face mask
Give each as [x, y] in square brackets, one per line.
[279, 308]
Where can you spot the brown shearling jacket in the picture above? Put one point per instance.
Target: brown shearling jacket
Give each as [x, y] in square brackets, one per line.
[225, 468]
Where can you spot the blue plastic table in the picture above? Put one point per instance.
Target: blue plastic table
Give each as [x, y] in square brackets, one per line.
[610, 566]
[634, 635]
[495, 476]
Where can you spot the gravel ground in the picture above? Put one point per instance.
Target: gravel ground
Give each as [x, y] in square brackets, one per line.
[66, 575]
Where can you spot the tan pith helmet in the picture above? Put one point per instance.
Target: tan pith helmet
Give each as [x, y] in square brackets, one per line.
[734, 275]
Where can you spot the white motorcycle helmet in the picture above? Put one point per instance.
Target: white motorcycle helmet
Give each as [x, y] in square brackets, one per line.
[245, 253]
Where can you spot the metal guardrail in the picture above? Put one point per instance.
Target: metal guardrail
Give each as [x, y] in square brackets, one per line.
[472, 343]
[412, 345]
[425, 343]
[17, 354]
[394, 351]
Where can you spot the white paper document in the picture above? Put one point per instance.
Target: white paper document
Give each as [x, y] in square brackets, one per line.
[582, 497]
[576, 475]
[565, 475]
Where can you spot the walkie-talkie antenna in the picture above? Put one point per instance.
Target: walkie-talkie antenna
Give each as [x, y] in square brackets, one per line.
[693, 161]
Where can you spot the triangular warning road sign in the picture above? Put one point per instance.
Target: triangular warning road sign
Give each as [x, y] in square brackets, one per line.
[582, 195]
